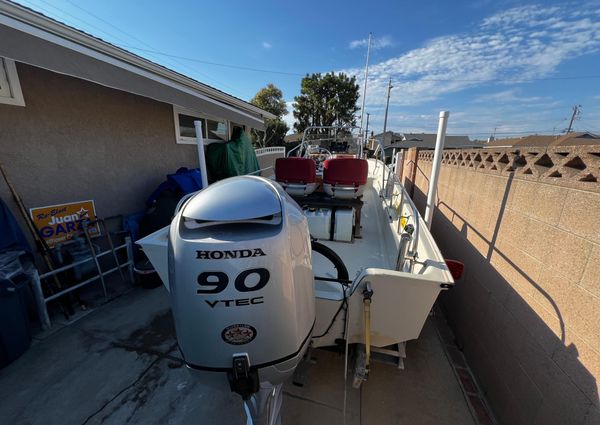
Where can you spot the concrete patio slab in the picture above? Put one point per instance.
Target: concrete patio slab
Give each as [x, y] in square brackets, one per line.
[119, 364]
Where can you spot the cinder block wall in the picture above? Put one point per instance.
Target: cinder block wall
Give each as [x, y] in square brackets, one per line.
[527, 312]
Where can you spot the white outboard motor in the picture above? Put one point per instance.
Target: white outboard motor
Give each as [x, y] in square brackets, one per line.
[241, 284]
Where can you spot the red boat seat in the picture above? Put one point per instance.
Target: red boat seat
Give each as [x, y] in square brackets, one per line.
[345, 177]
[297, 175]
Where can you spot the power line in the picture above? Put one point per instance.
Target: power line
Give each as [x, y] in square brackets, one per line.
[501, 80]
[245, 68]
[511, 132]
[592, 129]
[122, 42]
[142, 41]
[272, 71]
[280, 72]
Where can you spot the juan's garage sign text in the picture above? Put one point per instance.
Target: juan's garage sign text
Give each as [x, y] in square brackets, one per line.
[60, 223]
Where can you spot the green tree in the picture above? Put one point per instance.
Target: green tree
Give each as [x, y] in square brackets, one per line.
[325, 100]
[270, 98]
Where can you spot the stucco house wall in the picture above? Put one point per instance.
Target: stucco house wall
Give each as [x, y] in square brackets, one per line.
[75, 140]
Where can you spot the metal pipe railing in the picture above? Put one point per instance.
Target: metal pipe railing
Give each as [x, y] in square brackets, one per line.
[269, 150]
[405, 240]
[307, 131]
[258, 171]
[129, 264]
[415, 214]
[380, 148]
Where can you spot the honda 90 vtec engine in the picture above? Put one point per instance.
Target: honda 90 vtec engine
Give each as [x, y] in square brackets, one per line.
[241, 282]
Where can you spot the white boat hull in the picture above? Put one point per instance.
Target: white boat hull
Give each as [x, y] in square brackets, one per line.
[401, 300]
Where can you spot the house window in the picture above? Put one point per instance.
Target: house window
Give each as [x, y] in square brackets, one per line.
[10, 88]
[213, 129]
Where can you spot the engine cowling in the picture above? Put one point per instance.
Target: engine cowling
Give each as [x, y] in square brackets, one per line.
[241, 282]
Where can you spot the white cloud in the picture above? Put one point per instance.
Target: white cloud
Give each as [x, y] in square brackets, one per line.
[480, 122]
[512, 96]
[518, 44]
[376, 42]
[266, 45]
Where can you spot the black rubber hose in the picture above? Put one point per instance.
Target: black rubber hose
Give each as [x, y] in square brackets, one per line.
[325, 251]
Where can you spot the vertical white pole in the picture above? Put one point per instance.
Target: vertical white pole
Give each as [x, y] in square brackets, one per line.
[201, 157]
[399, 161]
[437, 162]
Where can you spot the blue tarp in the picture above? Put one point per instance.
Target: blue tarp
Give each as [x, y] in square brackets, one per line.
[183, 181]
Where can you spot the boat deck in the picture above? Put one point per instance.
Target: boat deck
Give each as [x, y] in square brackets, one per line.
[119, 364]
[368, 251]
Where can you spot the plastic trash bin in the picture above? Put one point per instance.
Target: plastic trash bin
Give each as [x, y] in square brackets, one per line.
[147, 276]
[15, 331]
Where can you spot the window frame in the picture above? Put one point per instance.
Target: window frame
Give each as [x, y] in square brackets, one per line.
[184, 140]
[8, 72]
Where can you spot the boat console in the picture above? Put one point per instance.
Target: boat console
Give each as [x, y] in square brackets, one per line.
[333, 210]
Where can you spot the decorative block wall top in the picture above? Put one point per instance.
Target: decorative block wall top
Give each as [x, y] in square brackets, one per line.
[571, 166]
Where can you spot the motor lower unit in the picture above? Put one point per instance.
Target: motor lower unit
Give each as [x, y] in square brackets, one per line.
[241, 283]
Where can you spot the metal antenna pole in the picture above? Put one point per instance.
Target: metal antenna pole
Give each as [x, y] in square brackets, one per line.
[362, 109]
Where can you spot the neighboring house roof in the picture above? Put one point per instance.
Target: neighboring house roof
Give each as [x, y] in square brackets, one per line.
[30, 37]
[535, 141]
[293, 138]
[501, 143]
[577, 139]
[538, 140]
[428, 140]
[425, 140]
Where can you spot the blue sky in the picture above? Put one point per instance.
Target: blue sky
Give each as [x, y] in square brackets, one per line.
[502, 64]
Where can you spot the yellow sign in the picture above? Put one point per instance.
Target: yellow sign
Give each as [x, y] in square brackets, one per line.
[60, 223]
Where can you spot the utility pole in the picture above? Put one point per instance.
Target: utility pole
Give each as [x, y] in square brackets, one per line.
[387, 105]
[493, 136]
[576, 112]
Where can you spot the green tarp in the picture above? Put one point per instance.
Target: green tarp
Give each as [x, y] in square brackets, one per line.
[233, 158]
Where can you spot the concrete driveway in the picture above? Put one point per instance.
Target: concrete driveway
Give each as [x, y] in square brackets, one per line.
[119, 364]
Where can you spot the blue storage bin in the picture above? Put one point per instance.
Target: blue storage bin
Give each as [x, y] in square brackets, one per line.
[15, 330]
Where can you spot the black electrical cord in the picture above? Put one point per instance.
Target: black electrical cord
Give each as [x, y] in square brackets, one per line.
[342, 279]
[343, 305]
